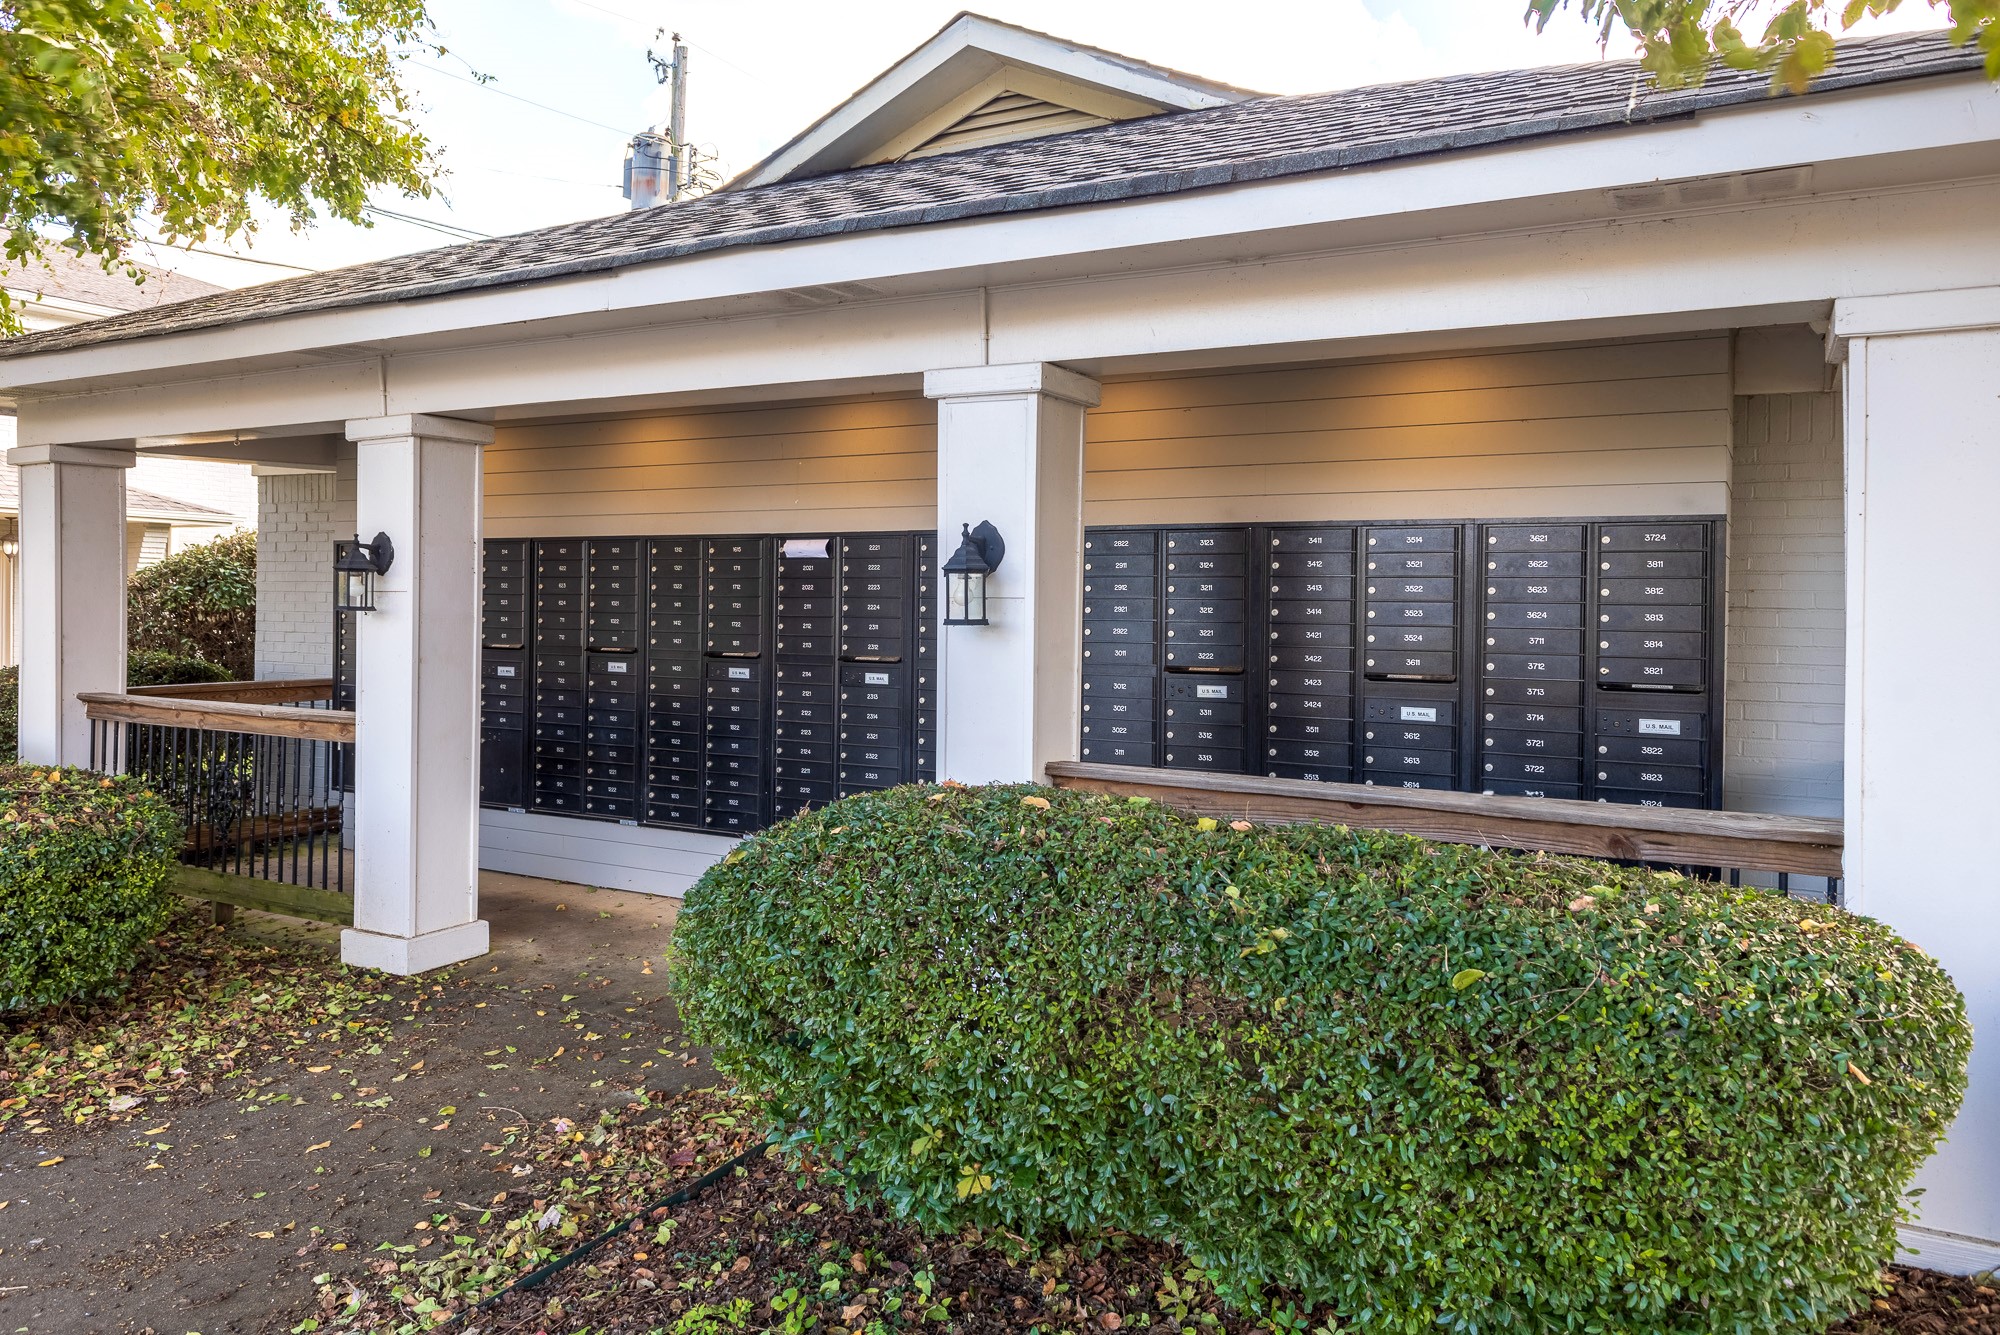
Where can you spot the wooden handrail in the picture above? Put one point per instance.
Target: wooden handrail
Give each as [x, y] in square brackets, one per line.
[314, 725]
[302, 690]
[1752, 841]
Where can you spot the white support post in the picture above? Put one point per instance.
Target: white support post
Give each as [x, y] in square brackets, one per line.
[1010, 450]
[416, 790]
[72, 564]
[1923, 469]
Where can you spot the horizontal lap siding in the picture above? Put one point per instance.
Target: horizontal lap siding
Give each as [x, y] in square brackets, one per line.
[865, 464]
[1625, 428]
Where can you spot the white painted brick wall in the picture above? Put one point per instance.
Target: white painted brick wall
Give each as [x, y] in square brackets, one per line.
[299, 517]
[1787, 607]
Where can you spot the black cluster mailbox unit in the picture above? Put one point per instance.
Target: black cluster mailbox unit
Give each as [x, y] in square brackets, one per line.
[709, 683]
[1576, 658]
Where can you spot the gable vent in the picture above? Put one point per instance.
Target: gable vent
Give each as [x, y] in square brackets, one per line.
[1002, 120]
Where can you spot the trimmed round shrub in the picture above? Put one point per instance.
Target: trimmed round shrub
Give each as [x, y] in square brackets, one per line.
[1432, 1086]
[10, 712]
[84, 868]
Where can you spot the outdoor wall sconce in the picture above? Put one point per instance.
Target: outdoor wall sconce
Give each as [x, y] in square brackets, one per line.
[978, 555]
[356, 567]
[10, 546]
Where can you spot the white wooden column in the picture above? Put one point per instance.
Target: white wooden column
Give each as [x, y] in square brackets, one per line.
[72, 566]
[1922, 389]
[1010, 450]
[416, 792]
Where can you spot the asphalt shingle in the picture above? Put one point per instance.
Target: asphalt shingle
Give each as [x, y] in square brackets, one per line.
[1258, 139]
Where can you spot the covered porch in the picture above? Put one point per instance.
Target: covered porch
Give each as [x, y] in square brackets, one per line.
[1579, 339]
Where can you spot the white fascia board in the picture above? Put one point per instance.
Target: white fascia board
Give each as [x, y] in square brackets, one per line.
[1775, 263]
[1917, 312]
[1866, 128]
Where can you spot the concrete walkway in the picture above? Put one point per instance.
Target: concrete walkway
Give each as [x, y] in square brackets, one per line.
[254, 1196]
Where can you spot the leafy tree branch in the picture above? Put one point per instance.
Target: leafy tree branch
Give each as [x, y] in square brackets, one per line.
[184, 113]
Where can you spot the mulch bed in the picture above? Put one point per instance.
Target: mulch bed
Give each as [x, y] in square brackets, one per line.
[772, 1248]
[1924, 1302]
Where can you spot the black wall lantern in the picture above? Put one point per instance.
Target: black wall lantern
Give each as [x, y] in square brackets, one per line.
[356, 566]
[978, 555]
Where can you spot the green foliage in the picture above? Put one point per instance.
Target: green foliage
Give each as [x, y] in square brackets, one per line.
[1681, 40]
[84, 865]
[154, 667]
[10, 713]
[1436, 1087]
[181, 113]
[201, 602]
[145, 667]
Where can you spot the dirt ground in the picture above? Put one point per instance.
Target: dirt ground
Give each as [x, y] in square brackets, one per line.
[215, 1216]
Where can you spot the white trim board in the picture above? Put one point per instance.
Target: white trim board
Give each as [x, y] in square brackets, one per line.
[1951, 1253]
[639, 858]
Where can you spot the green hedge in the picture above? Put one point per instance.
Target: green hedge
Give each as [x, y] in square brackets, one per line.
[142, 668]
[201, 602]
[84, 868]
[1435, 1087]
[154, 667]
[10, 713]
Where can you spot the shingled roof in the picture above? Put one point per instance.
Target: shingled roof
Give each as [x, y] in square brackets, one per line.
[66, 276]
[1258, 139]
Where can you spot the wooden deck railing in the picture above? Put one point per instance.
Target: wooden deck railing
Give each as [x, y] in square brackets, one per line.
[259, 774]
[160, 707]
[1730, 840]
[296, 691]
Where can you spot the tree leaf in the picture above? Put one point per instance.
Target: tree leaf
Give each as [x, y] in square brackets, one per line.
[1465, 978]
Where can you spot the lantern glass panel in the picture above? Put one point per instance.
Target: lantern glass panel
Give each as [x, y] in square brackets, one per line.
[965, 599]
[355, 591]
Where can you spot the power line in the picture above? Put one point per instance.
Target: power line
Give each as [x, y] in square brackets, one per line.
[647, 23]
[225, 255]
[543, 106]
[447, 229]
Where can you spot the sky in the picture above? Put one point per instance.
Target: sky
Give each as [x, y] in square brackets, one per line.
[543, 141]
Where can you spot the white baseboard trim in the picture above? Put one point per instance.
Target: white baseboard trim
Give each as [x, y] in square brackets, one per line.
[1952, 1253]
[407, 955]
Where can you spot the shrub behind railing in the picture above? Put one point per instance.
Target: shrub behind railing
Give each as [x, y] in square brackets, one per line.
[1435, 1087]
[201, 602]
